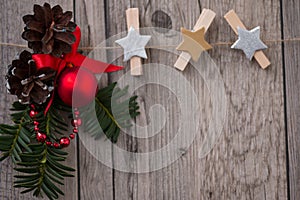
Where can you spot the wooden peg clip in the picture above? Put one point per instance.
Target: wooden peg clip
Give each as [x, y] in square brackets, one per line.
[205, 19]
[132, 18]
[234, 21]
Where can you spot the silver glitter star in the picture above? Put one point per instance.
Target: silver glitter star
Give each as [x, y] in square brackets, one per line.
[134, 44]
[249, 41]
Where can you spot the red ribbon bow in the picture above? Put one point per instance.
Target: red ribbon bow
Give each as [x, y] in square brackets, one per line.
[77, 59]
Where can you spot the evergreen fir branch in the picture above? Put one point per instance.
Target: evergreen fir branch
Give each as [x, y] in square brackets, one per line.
[14, 139]
[112, 112]
[42, 169]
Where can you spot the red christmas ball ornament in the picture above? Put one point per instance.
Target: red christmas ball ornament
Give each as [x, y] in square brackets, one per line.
[77, 86]
[64, 142]
[41, 137]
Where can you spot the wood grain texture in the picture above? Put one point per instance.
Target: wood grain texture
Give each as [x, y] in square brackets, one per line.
[249, 161]
[12, 27]
[96, 180]
[177, 181]
[291, 28]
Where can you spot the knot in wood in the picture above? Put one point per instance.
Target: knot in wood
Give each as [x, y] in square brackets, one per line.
[162, 21]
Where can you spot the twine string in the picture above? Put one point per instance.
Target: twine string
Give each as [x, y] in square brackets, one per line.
[155, 47]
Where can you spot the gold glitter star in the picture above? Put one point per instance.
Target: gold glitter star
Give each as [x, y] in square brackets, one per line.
[194, 42]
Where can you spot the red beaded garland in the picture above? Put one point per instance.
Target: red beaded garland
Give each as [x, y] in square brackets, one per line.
[63, 141]
[56, 145]
[41, 137]
[32, 113]
[75, 130]
[49, 143]
[76, 122]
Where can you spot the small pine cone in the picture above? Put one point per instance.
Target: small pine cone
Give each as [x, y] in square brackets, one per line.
[49, 30]
[27, 82]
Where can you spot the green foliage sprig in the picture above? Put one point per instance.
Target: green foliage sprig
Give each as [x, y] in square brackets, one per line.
[40, 168]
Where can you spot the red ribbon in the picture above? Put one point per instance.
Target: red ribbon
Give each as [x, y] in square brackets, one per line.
[77, 59]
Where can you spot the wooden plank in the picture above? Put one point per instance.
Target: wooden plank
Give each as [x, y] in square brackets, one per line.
[96, 181]
[291, 17]
[174, 181]
[12, 27]
[115, 24]
[250, 160]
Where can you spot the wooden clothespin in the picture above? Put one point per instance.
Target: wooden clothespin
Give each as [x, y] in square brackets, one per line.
[132, 18]
[205, 19]
[235, 22]
[134, 43]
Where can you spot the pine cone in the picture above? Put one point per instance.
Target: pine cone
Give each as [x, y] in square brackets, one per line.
[49, 30]
[27, 83]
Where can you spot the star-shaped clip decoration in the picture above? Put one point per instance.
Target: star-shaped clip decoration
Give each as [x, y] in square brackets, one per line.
[194, 42]
[134, 44]
[249, 41]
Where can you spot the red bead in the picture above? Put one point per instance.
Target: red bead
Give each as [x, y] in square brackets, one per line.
[64, 142]
[56, 145]
[32, 113]
[32, 106]
[36, 123]
[75, 130]
[49, 143]
[76, 113]
[36, 128]
[41, 137]
[72, 136]
[76, 122]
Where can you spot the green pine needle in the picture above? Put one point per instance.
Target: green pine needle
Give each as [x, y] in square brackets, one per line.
[113, 113]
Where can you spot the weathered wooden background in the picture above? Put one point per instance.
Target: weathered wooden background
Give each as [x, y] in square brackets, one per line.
[257, 156]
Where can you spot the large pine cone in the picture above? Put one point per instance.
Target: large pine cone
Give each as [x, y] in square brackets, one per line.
[27, 83]
[49, 30]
